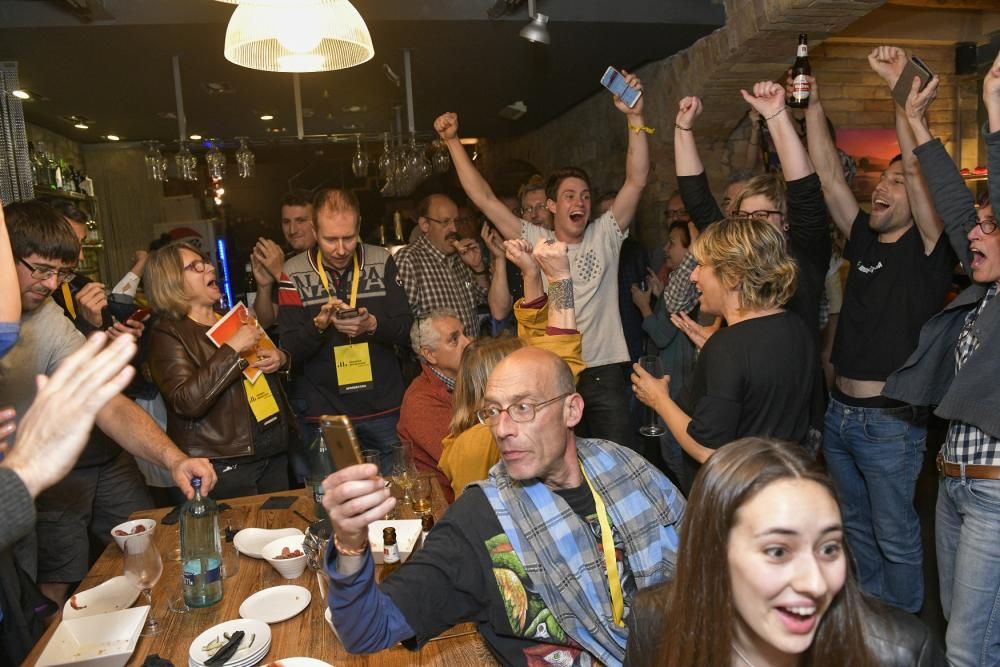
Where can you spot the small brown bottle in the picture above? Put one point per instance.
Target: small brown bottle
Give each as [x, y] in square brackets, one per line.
[800, 70]
[426, 523]
[390, 553]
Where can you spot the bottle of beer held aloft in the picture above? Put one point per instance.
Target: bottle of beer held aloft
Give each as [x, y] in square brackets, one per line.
[390, 553]
[800, 70]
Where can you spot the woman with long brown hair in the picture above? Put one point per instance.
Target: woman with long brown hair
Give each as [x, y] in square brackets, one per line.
[763, 578]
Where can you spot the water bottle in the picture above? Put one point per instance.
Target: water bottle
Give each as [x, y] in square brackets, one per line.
[320, 467]
[201, 550]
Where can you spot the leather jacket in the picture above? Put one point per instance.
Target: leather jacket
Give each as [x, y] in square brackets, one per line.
[895, 638]
[207, 410]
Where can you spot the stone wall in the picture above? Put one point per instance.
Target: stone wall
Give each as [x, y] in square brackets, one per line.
[757, 42]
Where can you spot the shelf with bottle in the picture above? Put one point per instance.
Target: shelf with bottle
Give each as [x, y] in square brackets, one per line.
[59, 194]
[57, 177]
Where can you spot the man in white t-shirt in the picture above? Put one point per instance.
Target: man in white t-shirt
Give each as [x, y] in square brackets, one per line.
[593, 250]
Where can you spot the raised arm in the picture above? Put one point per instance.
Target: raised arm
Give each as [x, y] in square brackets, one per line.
[691, 180]
[475, 186]
[553, 260]
[840, 200]
[499, 298]
[768, 99]
[888, 62]
[636, 160]
[991, 97]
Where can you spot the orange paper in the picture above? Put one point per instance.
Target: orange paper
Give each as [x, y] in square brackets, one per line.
[226, 328]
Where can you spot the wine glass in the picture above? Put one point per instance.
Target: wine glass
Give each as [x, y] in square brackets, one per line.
[402, 469]
[652, 365]
[143, 568]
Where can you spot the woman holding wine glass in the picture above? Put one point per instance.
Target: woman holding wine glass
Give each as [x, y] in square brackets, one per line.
[760, 375]
[143, 568]
[213, 409]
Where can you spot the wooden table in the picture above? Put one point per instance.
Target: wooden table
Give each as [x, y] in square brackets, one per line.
[306, 634]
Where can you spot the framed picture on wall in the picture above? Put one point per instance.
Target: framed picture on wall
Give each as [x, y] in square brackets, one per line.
[872, 150]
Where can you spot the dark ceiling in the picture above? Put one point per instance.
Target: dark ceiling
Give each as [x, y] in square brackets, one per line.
[118, 72]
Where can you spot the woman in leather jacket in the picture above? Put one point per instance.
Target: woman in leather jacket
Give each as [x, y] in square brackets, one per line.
[763, 578]
[207, 396]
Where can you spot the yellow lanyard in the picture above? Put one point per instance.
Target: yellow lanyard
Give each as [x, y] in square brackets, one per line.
[68, 300]
[355, 278]
[610, 562]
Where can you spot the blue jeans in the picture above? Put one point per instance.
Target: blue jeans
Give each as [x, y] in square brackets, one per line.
[874, 456]
[968, 551]
[379, 434]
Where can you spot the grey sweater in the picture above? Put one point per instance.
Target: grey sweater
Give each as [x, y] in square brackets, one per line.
[928, 377]
[18, 509]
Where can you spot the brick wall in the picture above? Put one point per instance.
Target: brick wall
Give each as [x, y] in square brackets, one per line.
[757, 42]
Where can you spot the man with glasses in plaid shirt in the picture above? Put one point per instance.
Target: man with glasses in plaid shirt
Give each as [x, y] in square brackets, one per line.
[955, 367]
[441, 270]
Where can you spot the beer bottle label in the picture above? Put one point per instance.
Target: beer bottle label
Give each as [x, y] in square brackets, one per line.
[802, 51]
[800, 88]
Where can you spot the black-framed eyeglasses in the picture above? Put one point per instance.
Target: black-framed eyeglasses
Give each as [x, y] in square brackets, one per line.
[762, 214]
[519, 412]
[675, 214]
[46, 272]
[199, 266]
[443, 223]
[986, 225]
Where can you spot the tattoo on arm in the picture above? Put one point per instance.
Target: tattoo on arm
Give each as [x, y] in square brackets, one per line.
[561, 294]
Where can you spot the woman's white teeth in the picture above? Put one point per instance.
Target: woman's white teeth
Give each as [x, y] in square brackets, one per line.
[801, 611]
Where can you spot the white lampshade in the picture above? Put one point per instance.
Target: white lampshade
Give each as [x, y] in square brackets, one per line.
[298, 36]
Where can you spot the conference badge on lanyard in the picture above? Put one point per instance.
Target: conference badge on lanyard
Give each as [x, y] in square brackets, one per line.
[353, 361]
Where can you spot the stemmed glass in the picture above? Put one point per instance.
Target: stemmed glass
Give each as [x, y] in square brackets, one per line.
[215, 159]
[652, 365]
[143, 568]
[403, 470]
[245, 160]
[359, 163]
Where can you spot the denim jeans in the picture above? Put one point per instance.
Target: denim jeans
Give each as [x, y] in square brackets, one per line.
[968, 551]
[874, 456]
[605, 406]
[379, 434]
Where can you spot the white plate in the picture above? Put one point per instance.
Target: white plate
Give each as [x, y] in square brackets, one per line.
[276, 604]
[299, 662]
[258, 629]
[95, 641]
[250, 541]
[407, 534]
[114, 594]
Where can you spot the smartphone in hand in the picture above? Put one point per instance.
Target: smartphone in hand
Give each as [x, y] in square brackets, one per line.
[614, 81]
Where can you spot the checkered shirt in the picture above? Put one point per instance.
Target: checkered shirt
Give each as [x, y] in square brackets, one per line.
[679, 295]
[434, 280]
[966, 443]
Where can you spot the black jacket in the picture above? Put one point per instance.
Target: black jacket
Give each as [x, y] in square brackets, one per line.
[896, 639]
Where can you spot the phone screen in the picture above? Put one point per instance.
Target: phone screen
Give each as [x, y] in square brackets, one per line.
[615, 82]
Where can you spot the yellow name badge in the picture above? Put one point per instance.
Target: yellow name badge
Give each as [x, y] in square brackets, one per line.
[261, 399]
[354, 367]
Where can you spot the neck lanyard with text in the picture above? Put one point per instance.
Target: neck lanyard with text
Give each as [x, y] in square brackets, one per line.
[355, 277]
[608, 547]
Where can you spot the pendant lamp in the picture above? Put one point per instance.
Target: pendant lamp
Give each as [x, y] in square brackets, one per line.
[297, 36]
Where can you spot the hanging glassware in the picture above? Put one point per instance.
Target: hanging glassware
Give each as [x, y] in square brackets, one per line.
[419, 166]
[359, 163]
[246, 163]
[155, 162]
[384, 163]
[215, 160]
[186, 163]
[440, 157]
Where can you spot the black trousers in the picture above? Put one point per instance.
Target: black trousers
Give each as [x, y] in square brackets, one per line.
[605, 406]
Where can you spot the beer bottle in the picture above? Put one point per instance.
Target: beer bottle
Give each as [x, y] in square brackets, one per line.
[390, 553]
[800, 70]
[251, 286]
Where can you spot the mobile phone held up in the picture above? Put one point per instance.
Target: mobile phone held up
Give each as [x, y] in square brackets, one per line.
[915, 67]
[614, 81]
[341, 441]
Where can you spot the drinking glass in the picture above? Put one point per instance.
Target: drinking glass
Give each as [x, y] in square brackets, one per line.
[402, 469]
[245, 160]
[143, 568]
[372, 456]
[421, 492]
[359, 163]
[652, 365]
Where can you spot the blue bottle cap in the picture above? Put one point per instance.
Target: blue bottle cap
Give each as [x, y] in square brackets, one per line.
[196, 482]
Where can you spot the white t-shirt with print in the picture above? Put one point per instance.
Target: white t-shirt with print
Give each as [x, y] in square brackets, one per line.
[593, 263]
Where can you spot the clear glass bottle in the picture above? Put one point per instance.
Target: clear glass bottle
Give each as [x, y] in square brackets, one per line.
[320, 468]
[201, 550]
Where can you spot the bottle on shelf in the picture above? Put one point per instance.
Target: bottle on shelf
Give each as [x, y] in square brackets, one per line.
[33, 159]
[397, 228]
[86, 185]
[320, 467]
[52, 167]
[800, 70]
[390, 553]
[426, 523]
[251, 286]
[201, 551]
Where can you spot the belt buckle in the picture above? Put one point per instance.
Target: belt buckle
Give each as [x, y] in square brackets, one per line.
[939, 463]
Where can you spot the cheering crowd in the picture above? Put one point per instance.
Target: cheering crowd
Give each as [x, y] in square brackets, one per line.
[771, 523]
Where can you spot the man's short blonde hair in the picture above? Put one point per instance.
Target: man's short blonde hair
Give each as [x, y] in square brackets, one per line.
[750, 256]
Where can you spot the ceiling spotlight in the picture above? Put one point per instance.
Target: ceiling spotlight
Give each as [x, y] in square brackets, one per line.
[113, 137]
[536, 32]
[81, 126]
[267, 116]
[195, 137]
[21, 94]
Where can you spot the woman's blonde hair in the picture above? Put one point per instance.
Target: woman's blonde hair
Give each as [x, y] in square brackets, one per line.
[751, 257]
[163, 280]
[478, 361]
[771, 186]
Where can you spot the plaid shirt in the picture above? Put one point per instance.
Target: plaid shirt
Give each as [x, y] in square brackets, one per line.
[434, 280]
[679, 295]
[966, 443]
